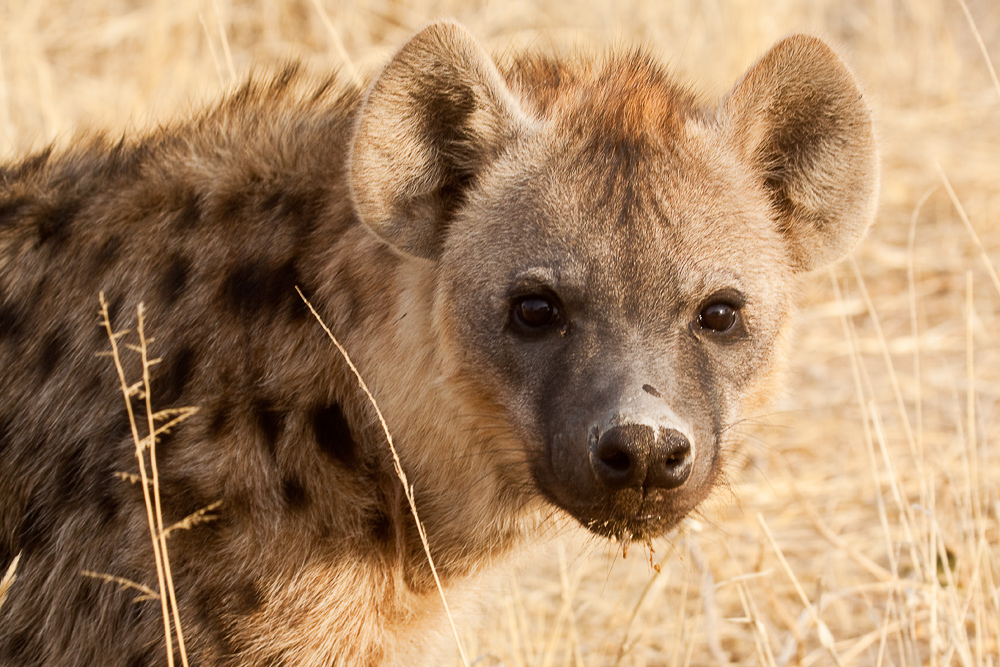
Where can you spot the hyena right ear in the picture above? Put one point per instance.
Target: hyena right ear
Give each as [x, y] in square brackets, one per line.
[436, 115]
[801, 123]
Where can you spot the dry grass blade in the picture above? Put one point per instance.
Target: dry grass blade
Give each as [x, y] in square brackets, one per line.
[397, 464]
[147, 592]
[154, 531]
[982, 46]
[194, 519]
[158, 509]
[963, 216]
[337, 42]
[8, 579]
[130, 477]
[825, 638]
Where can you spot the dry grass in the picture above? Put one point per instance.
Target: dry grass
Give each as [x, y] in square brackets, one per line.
[145, 454]
[861, 523]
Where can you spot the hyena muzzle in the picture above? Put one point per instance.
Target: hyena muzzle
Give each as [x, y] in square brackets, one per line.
[565, 279]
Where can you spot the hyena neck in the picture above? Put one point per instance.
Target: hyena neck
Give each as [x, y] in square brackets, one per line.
[446, 441]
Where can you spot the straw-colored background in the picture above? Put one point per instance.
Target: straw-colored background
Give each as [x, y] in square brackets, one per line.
[875, 482]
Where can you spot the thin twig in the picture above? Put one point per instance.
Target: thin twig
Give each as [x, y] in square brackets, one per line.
[407, 488]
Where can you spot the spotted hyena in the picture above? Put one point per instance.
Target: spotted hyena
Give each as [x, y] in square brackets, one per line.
[564, 279]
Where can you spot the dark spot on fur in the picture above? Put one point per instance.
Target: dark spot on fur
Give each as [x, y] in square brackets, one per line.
[84, 479]
[253, 288]
[6, 552]
[86, 594]
[216, 607]
[106, 254]
[333, 435]
[282, 291]
[269, 421]
[12, 209]
[189, 214]
[106, 501]
[174, 280]
[293, 207]
[651, 390]
[52, 349]
[70, 482]
[271, 201]
[220, 422]
[37, 527]
[117, 430]
[295, 494]
[168, 386]
[12, 320]
[54, 224]
[208, 609]
[23, 648]
[182, 497]
[243, 285]
[5, 431]
[381, 527]
[245, 598]
[91, 390]
[144, 657]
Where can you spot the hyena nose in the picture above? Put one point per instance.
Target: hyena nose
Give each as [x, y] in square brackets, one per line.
[634, 455]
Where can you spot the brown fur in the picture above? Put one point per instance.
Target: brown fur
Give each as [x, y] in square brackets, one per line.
[598, 184]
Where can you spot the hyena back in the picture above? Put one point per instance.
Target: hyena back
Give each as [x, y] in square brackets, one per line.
[564, 279]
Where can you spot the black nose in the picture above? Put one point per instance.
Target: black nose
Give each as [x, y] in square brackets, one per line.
[634, 455]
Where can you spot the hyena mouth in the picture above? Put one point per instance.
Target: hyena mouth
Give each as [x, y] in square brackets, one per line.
[641, 525]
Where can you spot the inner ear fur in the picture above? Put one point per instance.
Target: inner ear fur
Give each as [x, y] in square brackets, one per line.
[436, 115]
[801, 123]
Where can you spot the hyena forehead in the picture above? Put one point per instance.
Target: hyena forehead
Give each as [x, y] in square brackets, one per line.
[621, 209]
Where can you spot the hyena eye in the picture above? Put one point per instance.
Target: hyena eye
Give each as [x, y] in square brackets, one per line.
[534, 313]
[718, 316]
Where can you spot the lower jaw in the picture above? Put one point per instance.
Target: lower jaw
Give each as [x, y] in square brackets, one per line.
[641, 528]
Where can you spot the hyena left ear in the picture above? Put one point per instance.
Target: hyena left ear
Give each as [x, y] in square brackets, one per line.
[436, 115]
[800, 120]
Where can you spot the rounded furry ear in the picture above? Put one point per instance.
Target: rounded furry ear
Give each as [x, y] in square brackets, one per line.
[800, 120]
[436, 115]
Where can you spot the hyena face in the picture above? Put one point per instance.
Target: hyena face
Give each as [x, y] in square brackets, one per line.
[620, 327]
[614, 261]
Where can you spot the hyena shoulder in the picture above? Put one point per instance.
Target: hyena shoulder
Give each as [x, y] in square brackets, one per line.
[563, 279]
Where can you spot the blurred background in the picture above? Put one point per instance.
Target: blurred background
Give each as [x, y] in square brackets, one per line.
[859, 524]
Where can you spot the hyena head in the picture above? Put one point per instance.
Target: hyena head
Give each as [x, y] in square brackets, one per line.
[614, 260]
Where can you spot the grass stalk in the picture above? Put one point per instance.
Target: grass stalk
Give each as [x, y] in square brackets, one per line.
[397, 464]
